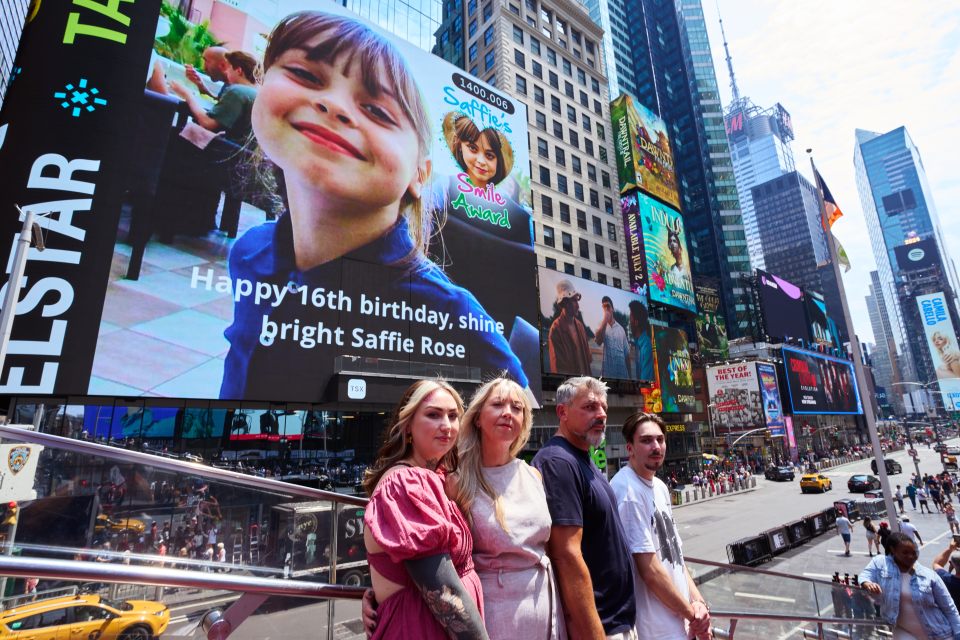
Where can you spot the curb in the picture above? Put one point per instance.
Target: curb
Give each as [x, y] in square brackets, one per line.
[715, 497]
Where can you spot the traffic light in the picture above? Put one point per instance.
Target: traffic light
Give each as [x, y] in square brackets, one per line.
[10, 516]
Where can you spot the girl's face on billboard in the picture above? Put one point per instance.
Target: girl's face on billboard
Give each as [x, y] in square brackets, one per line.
[480, 161]
[319, 123]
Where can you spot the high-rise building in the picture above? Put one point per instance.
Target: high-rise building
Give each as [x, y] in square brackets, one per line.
[13, 15]
[883, 353]
[899, 210]
[415, 22]
[659, 53]
[548, 53]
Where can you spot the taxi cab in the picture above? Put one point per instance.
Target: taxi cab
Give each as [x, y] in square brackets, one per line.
[85, 616]
[815, 482]
[118, 525]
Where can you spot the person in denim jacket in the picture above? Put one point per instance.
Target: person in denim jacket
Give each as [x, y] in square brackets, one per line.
[914, 598]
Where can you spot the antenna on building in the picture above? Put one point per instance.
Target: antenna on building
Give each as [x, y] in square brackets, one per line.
[726, 49]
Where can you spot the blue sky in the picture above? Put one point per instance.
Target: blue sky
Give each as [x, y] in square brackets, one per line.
[839, 66]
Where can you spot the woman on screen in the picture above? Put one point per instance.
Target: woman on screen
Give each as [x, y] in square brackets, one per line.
[950, 367]
[480, 153]
[343, 121]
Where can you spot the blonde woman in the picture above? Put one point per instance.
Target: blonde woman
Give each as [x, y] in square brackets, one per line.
[506, 507]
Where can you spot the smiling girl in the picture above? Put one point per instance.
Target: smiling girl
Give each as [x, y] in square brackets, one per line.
[341, 118]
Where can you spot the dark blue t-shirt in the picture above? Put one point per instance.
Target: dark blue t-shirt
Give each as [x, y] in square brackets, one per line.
[579, 495]
[952, 583]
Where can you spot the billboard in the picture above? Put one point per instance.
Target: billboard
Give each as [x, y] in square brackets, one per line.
[735, 403]
[674, 370]
[240, 265]
[822, 328]
[667, 258]
[770, 397]
[941, 341]
[917, 255]
[591, 329]
[644, 159]
[783, 308]
[710, 324]
[819, 384]
[633, 236]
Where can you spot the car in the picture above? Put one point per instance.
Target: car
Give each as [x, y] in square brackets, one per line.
[118, 525]
[939, 447]
[892, 466]
[85, 616]
[953, 451]
[815, 482]
[861, 483]
[779, 473]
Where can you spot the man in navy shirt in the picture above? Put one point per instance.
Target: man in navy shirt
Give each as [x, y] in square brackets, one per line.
[947, 565]
[587, 545]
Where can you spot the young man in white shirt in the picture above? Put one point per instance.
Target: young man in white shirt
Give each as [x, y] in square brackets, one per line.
[669, 605]
[843, 528]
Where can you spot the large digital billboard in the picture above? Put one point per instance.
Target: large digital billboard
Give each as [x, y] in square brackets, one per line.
[667, 257]
[770, 393]
[591, 329]
[736, 403]
[674, 371]
[782, 303]
[229, 235]
[644, 158]
[917, 255]
[941, 340]
[822, 328]
[711, 327]
[820, 384]
[633, 236]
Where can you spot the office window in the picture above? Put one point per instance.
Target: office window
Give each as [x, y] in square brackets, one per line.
[601, 256]
[555, 104]
[584, 249]
[568, 268]
[614, 259]
[567, 67]
[597, 226]
[514, 9]
[608, 205]
[551, 56]
[575, 161]
[545, 176]
[538, 94]
[471, 7]
[542, 149]
[517, 35]
[561, 183]
[490, 59]
[546, 205]
[538, 69]
[472, 51]
[603, 154]
[564, 212]
[519, 58]
[548, 238]
[583, 99]
[487, 11]
[521, 85]
[588, 147]
[541, 120]
[575, 139]
[554, 80]
[561, 157]
[475, 70]
[571, 115]
[534, 45]
[488, 36]
[605, 179]
[557, 130]
[611, 231]
[585, 273]
[472, 28]
[578, 191]
[581, 77]
[618, 283]
[594, 198]
[568, 89]
[591, 172]
[566, 242]
[595, 85]
[551, 263]
[600, 132]
[585, 122]
[597, 109]
[582, 219]
[602, 278]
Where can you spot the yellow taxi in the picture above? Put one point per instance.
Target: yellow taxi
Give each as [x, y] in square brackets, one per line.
[85, 616]
[119, 525]
[815, 482]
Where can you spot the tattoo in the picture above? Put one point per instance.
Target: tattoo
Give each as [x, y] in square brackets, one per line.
[444, 594]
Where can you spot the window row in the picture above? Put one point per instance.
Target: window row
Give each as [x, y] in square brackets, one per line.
[570, 269]
[560, 157]
[546, 209]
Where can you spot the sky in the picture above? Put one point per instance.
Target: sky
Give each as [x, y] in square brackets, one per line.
[840, 66]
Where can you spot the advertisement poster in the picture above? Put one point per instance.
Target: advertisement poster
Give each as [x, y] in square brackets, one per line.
[942, 344]
[770, 391]
[735, 397]
[820, 384]
[633, 236]
[917, 255]
[784, 315]
[644, 158]
[668, 261]
[711, 327]
[674, 370]
[591, 329]
[230, 235]
[820, 324]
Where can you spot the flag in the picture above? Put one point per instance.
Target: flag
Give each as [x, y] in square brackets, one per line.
[842, 254]
[831, 210]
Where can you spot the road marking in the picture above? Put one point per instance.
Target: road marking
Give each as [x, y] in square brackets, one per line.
[762, 596]
[800, 627]
[818, 575]
[855, 553]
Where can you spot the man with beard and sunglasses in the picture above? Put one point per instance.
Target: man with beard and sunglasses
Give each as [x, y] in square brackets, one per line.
[587, 545]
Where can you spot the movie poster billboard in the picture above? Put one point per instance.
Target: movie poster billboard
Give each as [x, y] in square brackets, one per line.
[819, 384]
[783, 309]
[674, 371]
[591, 329]
[711, 326]
[941, 340]
[665, 249]
[633, 236]
[735, 397]
[770, 398]
[241, 233]
[644, 158]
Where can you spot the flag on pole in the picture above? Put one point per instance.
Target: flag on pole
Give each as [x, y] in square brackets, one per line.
[830, 208]
[842, 255]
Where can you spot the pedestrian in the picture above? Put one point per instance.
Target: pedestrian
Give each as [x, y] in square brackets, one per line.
[912, 493]
[951, 514]
[883, 535]
[936, 496]
[898, 496]
[870, 531]
[922, 499]
[844, 526]
[907, 527]
[947, 566]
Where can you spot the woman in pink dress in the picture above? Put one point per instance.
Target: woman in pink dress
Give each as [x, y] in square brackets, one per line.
[418, 543]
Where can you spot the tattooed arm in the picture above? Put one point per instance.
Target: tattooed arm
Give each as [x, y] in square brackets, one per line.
[448, 601]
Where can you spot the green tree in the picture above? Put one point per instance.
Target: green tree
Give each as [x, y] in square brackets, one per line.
[185, 41]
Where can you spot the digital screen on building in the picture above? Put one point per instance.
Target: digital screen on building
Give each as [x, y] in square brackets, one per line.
[736, 403]
[770, 392]
[917, 255]
[819, 323]
[711, 326]
[237, 252]
[591, 329]
[674, 371]
[644, 158]
[783, 309]
[820, 384]
[667, 256]
[633, 236]
[941, 339]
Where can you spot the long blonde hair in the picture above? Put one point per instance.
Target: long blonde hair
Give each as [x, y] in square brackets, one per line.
[396, 446]
[471, 479]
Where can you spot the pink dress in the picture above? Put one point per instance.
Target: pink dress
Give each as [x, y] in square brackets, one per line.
[410, 517]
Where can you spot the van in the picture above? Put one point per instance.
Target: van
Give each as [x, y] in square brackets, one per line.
[893, 467]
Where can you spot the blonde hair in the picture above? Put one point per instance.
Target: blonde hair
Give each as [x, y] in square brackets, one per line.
[471, 479]
[396, 446]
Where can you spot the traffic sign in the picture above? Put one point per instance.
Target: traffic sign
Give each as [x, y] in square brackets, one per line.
[914, 453]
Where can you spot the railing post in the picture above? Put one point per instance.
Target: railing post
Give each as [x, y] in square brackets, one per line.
[334, 531]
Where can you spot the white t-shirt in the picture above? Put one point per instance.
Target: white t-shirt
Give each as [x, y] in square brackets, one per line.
[843, 525]
[910, 530]
[649, 528]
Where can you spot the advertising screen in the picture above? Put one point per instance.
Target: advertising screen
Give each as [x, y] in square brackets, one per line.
[820, 384]
[633, 235]
[819, 322]
[941, 340]
[770, 392]
[783, 308]
[917, 255]
[644, 158]
[674, 370]
[711, 327]
[668, 261]
[735, 398]
[222, 234]
[591, 329]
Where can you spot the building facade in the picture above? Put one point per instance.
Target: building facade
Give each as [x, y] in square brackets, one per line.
[883, 352]
[13, 16]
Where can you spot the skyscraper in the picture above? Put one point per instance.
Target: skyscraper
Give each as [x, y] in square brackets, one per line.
[659, 53]
[13, 14]
[883, 353]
